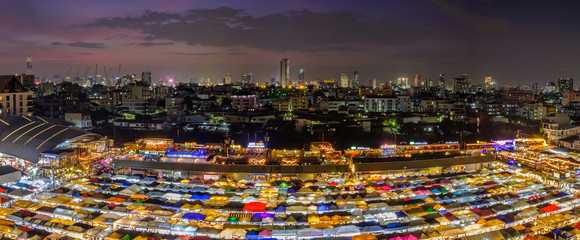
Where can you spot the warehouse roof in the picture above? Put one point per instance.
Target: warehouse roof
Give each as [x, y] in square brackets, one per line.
[27, 137]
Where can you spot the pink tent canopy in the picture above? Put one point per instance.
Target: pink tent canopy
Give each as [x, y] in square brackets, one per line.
[265, 233]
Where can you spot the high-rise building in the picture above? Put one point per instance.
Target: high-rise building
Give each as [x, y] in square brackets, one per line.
[489, 83]
[284, 72]
[355, 80]
[16, 99]
[416, 82]
[442, 81]
[344, 81]
[429, 83]
[247, 78]
[29, 65]
[403, 82]
[459, 84]
[301, 79]
[374, 83]
[28, 79]
[146, 77]
[565, 85]
[228, 79]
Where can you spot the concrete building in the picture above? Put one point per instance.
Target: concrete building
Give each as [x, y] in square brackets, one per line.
[228, 79]
[284, 72]
[301, 79]
[565, 85]
[380, 103]
[141, 124]
[81, 120]
[403, 82]
[175, 110]
[146, 77]
[489, 83]
[355, 80]
[383, 91]
[244, 102]
[570, 97]
[15, 99]
[344, 80]
[556, 131]
[514, 94]
[140, 92]
[139, 106]
[459, 85]
[300, 103]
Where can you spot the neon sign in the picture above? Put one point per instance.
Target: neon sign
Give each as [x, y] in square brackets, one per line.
[256, 145]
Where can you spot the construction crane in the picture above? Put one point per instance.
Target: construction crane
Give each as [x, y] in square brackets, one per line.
[119, 73]
[67, 73]
[107, 73]
[86, 75]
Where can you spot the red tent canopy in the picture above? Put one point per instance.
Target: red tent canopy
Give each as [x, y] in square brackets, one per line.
[550, 208]
[25, 229]
[255, 207]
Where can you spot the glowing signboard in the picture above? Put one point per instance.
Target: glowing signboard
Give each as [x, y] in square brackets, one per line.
[256, 145]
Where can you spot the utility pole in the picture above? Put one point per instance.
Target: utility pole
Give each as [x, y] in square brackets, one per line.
[96, 71]
[267, 139]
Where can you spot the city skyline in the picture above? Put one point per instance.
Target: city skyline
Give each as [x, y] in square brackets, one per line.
[383, 40]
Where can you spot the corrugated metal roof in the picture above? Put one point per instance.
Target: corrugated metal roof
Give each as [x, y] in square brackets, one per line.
[28, 137]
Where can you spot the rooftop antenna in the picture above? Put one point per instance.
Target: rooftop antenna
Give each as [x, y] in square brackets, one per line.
[563, 70]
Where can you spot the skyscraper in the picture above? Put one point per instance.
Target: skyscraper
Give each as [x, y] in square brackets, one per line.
[301, 79]
[355, 80]
[284, 72]
[403, 82]
[344, 81]
[29, 65]
[565, 85]
[247, 78]
[489, 83]
[228, 79]
[429, 83]
[28, 79]
[146, 77]
[442, 81]
[459, 84]
[416, 82]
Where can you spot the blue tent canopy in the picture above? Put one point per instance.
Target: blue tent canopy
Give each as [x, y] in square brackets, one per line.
[394, 225]
[194, 216]
[199, 197]
[401, 214]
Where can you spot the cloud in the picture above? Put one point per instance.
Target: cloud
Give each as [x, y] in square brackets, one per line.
[80, 44]
[303, 30]
[471, 18]
[86, 45]
[150, 44]
[430, 56]
[227, 52]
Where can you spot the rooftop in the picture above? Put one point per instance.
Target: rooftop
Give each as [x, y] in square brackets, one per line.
[28, 137]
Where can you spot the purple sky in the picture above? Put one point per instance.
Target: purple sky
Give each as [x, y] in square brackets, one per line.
[514, 41]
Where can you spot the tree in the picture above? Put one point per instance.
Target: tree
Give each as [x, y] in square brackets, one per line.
[188, 102]
[226, 103]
